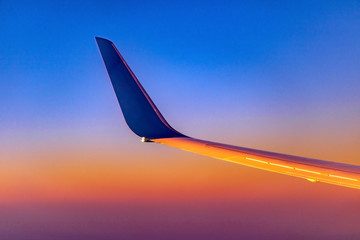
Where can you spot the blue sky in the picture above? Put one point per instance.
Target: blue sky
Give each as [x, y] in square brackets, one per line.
[259, 65]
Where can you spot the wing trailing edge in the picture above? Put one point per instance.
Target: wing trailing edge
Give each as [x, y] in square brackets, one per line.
[146, 121]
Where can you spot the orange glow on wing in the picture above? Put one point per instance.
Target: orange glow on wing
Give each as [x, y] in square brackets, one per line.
[324, 171]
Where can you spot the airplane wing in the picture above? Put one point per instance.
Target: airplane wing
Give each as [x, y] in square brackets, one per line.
[146, 121]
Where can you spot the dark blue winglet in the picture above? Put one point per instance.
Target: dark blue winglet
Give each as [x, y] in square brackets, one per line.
[140, 113]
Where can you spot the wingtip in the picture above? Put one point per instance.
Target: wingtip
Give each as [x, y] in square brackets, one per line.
[98, 39]
[140, 113]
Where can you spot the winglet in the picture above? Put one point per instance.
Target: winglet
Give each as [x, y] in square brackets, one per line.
[140, 113]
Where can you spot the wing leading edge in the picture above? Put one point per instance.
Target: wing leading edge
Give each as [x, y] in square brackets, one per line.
[146, 121]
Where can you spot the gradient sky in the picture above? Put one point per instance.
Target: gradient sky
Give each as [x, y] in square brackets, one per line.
[272, 75]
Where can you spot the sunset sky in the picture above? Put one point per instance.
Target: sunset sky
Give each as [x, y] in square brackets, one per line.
[271, 75]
